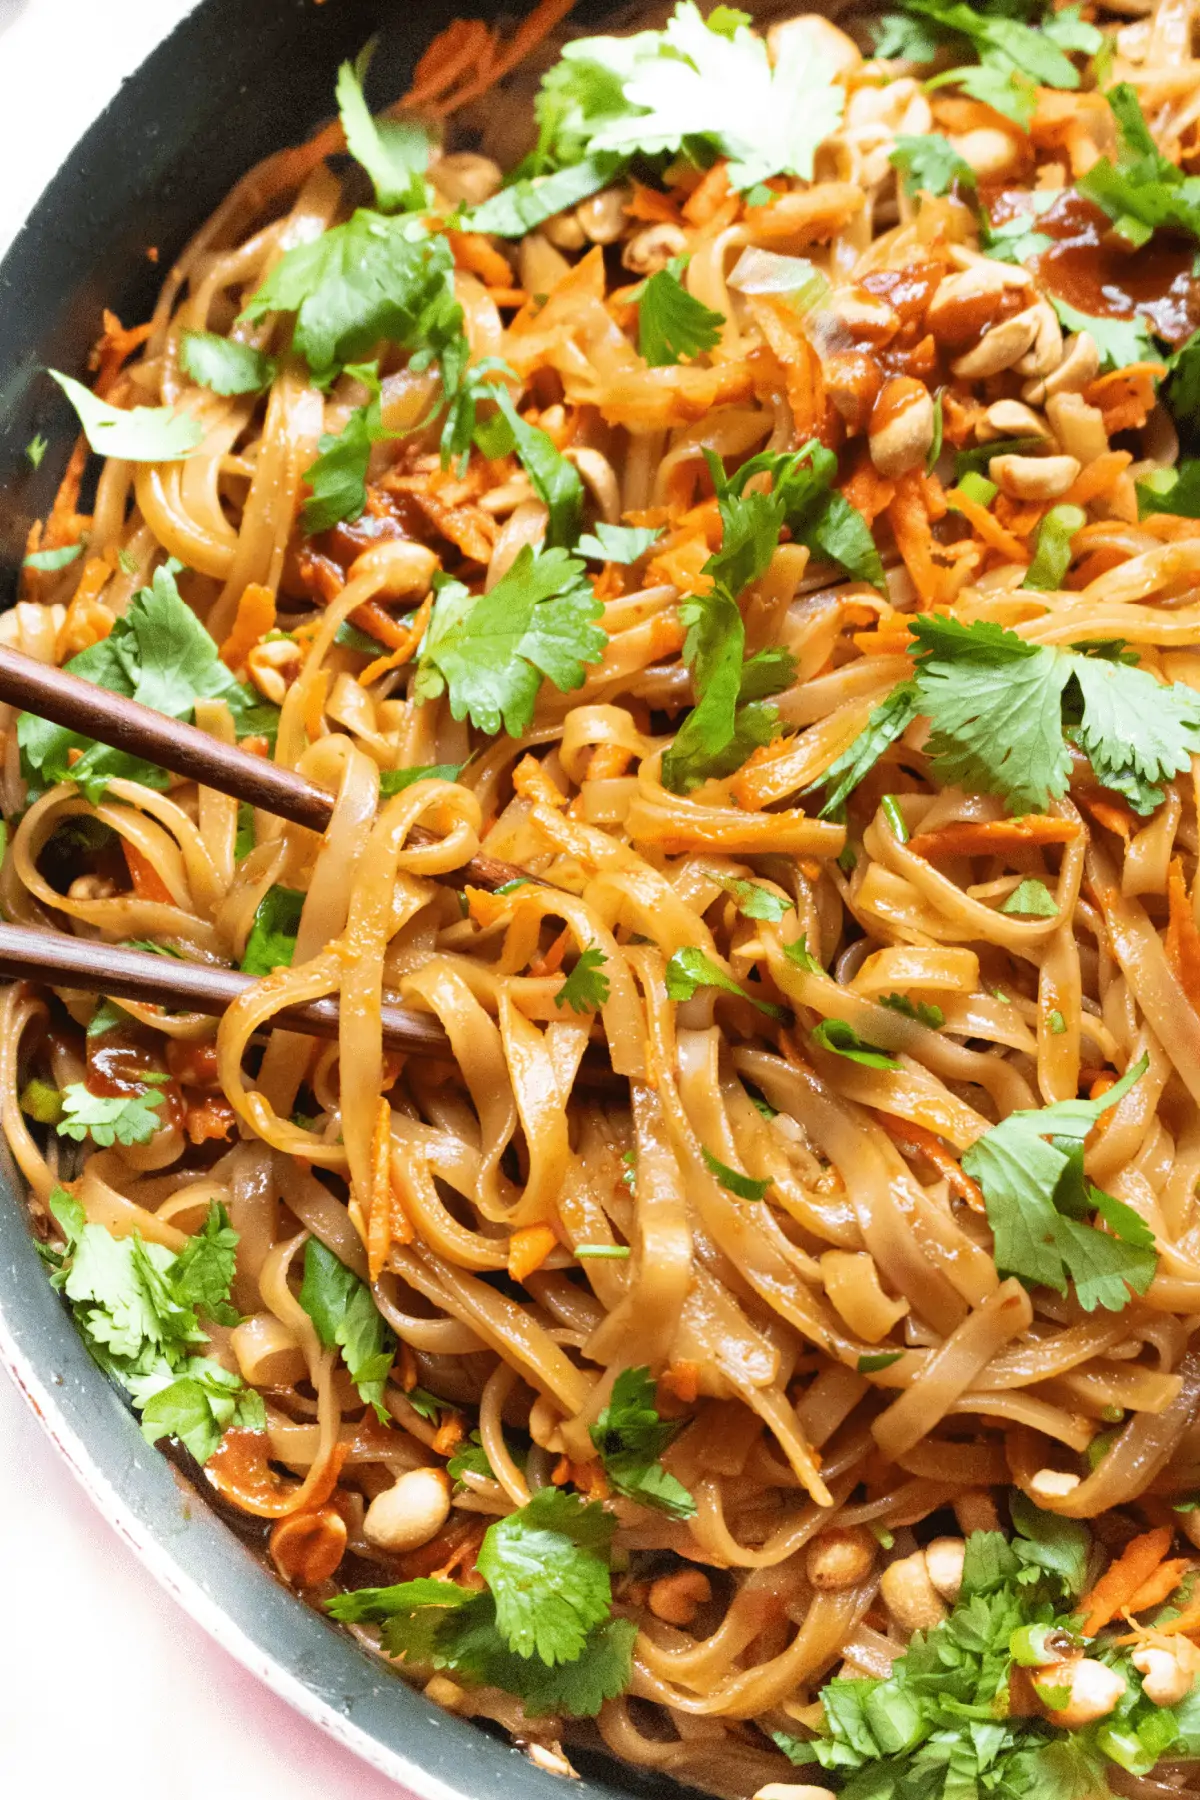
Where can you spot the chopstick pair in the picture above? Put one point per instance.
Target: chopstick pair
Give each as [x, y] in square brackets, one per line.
[27, 954]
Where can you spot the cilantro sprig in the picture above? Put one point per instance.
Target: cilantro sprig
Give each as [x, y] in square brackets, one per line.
[347, 1319]
[1143, 191]
[139, 1308]
[1041, 1207]
[671, 322]
[586, 987]
[542, 1629]
[631, 1437]
[1015, 58]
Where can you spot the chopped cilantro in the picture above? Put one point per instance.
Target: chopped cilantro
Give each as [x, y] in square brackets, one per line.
[631, 1438]
[394, 781]
[930, 164]
[1056, 1023]
[876, 1360]
[617, 543]
[840, 1037]
[799, 953]
[1143, 191]
[671, 322]
[529, 201]
[159, 654]
[1030, 1168]
[139, 434]
[272, 940]
[889, 721]
[347, 1319]
[337, 478]
[690, 969]
[1172, 490]
[124, 1119]
[753, 900]
[1119, 341]
[224, 365]
[1033, 899]
[556, 480]
[36, 449]
[490, 651]
[1016, 240]
[585, 987]
[394, 152]
[744, 1186]
[49, 562]
[932, 1017]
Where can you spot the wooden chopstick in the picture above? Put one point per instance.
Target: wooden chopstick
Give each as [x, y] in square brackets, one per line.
[181, 749]
[27, 954]
[54, 959]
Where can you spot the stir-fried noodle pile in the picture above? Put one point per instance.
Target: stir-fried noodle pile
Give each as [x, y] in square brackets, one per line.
[753, 508]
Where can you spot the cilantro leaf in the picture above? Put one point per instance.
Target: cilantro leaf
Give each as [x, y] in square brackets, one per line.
[200, 1407]
[930, 164]
[889, 721]
[617, 543]
[799, 953]
[358, 284]
[1143, 191]
[1181, 392]
[556, 480]
[932, 1017]
[470, 1458]
[394, 152]
[1119, 341]
[394, 781]
[744, 1186]
[527, 203]
[347, 1318]
[631, 1438]
[671, 322]
[1030, 1169]
[1015, 240]
[224, 365]
[1133, 723]
[203, 1270]
[127, 1119]
[585, 987]
[547, 1568]
[337, 478]
[1014, 58]
[49, 562]
[272, 940]
[1031, 899]
[1174, 490]
[754, 901]
[490, 651]
[840, 1037]
[690, 969]
[651, 92]
[36, 449]
[157, 653]
[135, 434]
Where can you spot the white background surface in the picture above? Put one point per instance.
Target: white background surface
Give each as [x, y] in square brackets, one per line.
[107, 1689]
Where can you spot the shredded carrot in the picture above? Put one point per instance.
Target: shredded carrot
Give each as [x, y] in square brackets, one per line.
[486, 908]
[65, 523]
[867, 490]
[475, 57]
[408, 1368]
[87, 620]
[1187, 1624]
[1098, 478]
[703, 202]
[993, 837]
[652, 207]
[683, 1380]
[1165, 1579]
[590, 1479]
[148, 884]
[682, 566]
[508, 296]
[532, 783]
[985, 526]
[414, 631]
[891, 637]
[608, 762]
[387, 1221]
[1123, 1578]
[114, 348]
[1113, 815]
[1127, 396]
[916, 1137]
[910, 516]
[528, 1249]
[1183, 935]
[212, 1117]
[314, 705]
[449, 1434]
[551, 963]
[477, 256]
[560, 1474]
[255, 617]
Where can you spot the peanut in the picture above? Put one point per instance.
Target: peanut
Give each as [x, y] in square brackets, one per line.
[1033, 477]
[410, 1513]
[307, 1547]
[677, 1598]
[902, 440]
[839, 1559]
[653, 248]
[910, 1595]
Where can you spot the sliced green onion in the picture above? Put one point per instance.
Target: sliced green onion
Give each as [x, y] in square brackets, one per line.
[602, 1252]
[1037, 1646]
[1057, 1024]
[41, 1102]
[1052, 555]
[978, 488]
[889, 806]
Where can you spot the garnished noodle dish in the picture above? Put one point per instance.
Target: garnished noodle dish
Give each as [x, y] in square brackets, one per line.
[732, 475]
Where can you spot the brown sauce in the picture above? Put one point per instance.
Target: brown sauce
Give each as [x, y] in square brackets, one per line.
[1087, 267]
[117, 1066]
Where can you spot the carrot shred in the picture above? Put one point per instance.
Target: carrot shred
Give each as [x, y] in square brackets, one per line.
[532, 783]
[1098, 477]
[1124, 1578]
[700, 205]
[1113, 815]
[414, 631]
[473, 253]
[608, 762]
[651, 207]
[471, 54]
[114, 348]
[867, 490]
[255, 617]
[1183, 935]
[87, 620]
[917, 1137]
[1187, 1624]
[1126, 397]
[683, 1380]
[1161, 1585]
[212, 1117]
[985, 526]
[910, 515]
[528, 1249]
[148, 884]
[551, 963]
[993, 837]
[314, 706]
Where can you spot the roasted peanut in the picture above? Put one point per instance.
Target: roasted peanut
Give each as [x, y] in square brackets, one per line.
[1000, 348]
[273, 667]
[307, 1547]
[1046, 351]
[1080, 364]
[565, 232]
[411, 1512]
[677, 1598]
[91, 887]
[1078, 427]
[910, 1595]
[602, 216]
[944, 1559]
[989, 151]
[466, 177]
[444, 1692]
[866, 316]
[1167, 1672]
[817, 38]
[901, 428]
[787, 1790]
[1094, 1691]
[1033, 477]
[653, 248]
[1053, 1484]
[1011, 418]
[839, 1559]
